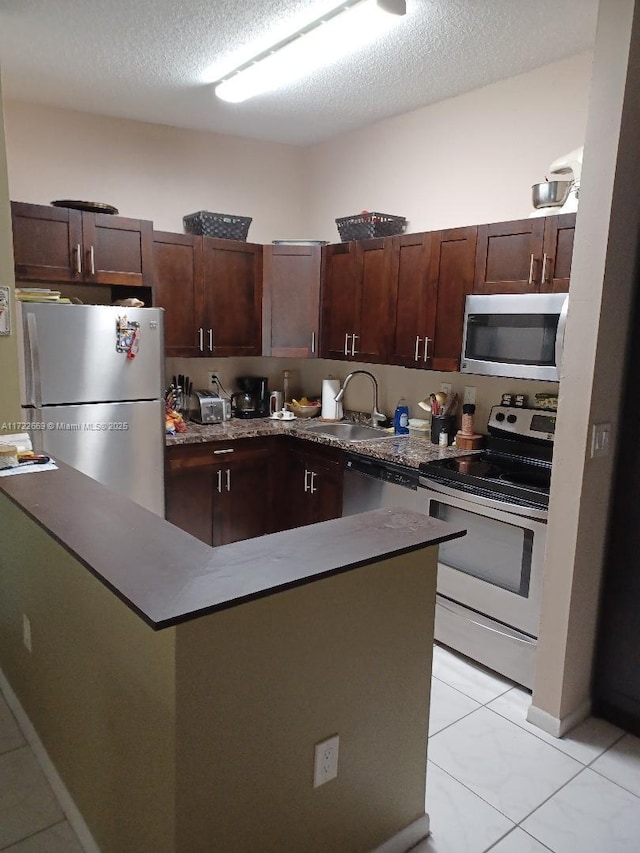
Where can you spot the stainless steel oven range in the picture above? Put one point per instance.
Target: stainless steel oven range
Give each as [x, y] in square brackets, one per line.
[490, 581]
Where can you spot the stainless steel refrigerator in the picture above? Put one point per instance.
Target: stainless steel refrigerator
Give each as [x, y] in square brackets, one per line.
[92, 390]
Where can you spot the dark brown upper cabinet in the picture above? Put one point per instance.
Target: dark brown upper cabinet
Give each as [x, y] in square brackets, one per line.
[211, 291]
[291, 301]
[557, 253]
[179, 289]
[232, 297]
[61, 245]
[431, 275]
[355, 301]
[525, 256]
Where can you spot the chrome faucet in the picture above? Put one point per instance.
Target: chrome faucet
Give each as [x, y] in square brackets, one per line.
[376, 415]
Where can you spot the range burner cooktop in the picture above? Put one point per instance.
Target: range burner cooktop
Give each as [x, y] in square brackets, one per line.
[515, 468]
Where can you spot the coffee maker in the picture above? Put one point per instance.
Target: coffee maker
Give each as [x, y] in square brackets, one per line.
[251, 401]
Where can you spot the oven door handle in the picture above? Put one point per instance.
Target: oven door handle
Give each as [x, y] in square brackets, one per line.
[483, 501]
[504, 631]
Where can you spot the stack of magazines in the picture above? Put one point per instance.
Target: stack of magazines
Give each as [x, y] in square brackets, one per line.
[39, 294]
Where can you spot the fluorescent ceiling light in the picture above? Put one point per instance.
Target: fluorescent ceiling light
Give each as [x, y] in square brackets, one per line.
[343, 31]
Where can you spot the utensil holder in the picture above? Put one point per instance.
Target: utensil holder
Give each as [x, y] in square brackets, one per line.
[442, 423]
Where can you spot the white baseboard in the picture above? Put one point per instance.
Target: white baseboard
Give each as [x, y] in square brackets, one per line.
[71, 811]
[554, 725]
[407, 837]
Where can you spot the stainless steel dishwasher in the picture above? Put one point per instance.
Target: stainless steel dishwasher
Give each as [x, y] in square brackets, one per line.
[372, 484]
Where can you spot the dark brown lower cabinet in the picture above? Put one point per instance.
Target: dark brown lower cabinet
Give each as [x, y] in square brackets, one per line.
[314, 484]
[220, 492]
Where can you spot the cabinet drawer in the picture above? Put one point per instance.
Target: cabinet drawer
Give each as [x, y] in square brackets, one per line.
[214, 453]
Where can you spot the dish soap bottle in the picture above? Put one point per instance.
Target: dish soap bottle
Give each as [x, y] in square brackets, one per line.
[401, 418]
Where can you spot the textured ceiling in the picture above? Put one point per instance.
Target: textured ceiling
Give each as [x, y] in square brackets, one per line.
[149, 59]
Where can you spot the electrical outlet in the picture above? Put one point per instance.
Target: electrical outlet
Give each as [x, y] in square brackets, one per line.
[600, 434]
[26, 632]
[213, 381]
[325, 766]
[469, 394]
[445, 387]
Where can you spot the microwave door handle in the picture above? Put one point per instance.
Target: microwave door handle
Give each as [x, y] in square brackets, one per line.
[562, 325]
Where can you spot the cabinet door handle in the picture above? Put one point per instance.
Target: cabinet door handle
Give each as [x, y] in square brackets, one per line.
[306, 480]
[543, 277]
[201, 340]
[312, 489]
[532, 262]
[415, 354]
[92, 260]
[228, 479]
[313, 342]
[220, 482]
[210, 340]
[426, 348]
[346, 343]
[78, 259]
[353, 344]
[228, 450]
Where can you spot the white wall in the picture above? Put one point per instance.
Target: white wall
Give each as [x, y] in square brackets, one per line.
[154, 172]
[463, 161]
[9, 394]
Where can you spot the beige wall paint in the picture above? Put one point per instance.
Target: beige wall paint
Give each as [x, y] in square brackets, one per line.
[201, 737]
[462, 161]
[152, 171]
[99, 687]
[603, 280]
[9, 393]
[347, 655]
[394, 382]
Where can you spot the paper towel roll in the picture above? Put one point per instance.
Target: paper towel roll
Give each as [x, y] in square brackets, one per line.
[331, 411]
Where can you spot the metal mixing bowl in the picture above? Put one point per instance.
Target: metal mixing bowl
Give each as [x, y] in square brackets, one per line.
[550, 193]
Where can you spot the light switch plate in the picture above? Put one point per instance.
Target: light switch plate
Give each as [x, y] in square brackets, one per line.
[445, 387]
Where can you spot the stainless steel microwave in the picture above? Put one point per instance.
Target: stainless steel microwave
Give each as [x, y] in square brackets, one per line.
[518, 335]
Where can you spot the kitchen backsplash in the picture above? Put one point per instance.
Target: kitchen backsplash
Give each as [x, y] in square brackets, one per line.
[306, 377]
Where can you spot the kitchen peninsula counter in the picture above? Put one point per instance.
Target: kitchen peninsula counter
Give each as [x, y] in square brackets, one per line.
[167, 576]
[201, 736]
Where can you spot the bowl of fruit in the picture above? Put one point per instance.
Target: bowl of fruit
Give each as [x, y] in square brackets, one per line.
[304, 408]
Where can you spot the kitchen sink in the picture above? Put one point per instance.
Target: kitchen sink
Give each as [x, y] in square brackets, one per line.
[349, 432]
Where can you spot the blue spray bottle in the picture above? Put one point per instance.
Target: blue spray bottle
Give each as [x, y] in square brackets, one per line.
[401, 418]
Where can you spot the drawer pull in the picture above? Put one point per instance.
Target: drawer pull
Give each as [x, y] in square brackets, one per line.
[218, 452]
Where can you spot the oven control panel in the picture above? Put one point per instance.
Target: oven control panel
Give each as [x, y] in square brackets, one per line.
[524, 423]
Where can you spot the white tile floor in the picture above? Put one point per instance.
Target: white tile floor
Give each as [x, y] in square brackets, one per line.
[494, 781]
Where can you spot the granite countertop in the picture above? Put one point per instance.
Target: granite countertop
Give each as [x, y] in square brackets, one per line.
[169, 577]
[407, 450]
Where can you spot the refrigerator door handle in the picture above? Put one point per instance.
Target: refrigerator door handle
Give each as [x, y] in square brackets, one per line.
[34, 379]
